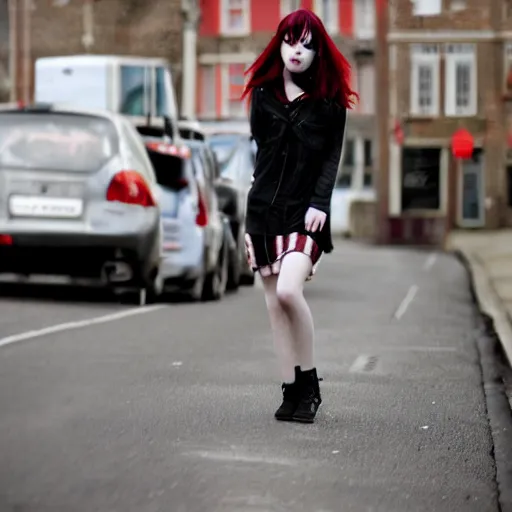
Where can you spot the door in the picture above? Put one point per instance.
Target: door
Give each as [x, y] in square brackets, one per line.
[471, 191]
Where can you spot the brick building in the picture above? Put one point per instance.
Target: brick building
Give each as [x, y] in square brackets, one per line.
[4, 54]
[438, 73]
[125, 27]
[233, 32]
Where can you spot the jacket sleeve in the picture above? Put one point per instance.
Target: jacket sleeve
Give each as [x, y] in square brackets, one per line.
[321, 198]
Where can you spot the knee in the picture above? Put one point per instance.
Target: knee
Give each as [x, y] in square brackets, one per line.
[287, 296]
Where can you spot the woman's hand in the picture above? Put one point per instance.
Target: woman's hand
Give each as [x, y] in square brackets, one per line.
[315, 220]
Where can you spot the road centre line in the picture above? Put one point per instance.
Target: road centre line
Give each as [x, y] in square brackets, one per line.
[409, 297]
[68, 326]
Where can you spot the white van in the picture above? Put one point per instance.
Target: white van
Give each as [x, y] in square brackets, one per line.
[141, 88]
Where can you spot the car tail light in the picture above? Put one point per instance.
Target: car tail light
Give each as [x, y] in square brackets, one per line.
[5, 240]
[202, 213]
[129, 187]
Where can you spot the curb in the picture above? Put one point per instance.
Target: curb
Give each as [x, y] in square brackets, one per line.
[491, 350]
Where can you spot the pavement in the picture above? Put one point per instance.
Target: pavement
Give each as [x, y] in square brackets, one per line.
[489, 258]
[170, 408]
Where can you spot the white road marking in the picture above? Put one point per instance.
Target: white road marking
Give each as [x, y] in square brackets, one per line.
[409, 297]
[224, 456]
[78, 324]
[430, 262]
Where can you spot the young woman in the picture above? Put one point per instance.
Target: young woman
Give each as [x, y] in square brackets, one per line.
[299, 91]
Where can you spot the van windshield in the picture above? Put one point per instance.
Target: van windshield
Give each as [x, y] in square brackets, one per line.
[63, 142]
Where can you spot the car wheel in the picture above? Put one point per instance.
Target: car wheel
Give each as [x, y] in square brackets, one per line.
[234, 271]
[154, 290]
[216, 281]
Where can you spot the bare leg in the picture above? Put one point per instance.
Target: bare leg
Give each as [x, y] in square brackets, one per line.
[295, 268]
[281, 330]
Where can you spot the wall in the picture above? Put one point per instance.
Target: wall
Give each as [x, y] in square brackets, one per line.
[135, 27]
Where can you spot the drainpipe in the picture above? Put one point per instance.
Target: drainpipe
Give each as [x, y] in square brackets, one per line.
[13, 49]
[191, 16]
[88, 24]
[27, 52]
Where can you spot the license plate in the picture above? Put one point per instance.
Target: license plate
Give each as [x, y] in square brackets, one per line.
[46, 207]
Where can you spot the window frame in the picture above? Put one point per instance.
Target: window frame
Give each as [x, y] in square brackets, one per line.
[288, 6]
[150, 90]
[363, 29]
[467, 55]
[333, 24]
[225, 90]
[421, 56]
[225, 7]
[507, 63]
[205, 111]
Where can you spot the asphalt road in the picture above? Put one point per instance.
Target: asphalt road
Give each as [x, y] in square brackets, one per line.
[171, 410]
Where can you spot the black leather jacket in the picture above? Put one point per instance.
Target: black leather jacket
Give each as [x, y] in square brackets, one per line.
[299, 149]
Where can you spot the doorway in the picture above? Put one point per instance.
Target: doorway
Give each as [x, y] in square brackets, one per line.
[472, 191]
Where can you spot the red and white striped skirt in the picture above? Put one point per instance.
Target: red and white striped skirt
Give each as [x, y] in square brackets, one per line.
[265, 253]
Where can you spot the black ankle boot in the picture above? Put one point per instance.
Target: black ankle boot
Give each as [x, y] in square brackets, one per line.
[290, 399]
[310, 398]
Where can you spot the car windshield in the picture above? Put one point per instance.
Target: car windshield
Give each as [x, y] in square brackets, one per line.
[223, 146]
[56, 141]
[239, 165]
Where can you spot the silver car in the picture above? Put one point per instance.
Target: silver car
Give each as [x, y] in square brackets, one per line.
[78, 197]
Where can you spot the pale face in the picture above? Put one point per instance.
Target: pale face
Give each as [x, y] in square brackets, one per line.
[298, 58]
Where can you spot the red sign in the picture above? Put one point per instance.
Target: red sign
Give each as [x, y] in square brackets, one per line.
[399, 133]
[462, 144]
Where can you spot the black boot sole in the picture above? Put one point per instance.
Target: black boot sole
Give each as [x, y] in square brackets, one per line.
[287, 418]
[303, 419]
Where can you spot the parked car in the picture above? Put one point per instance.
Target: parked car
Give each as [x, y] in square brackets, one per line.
[195, 238]
[235, 154]
[78, 198]
[207, 172]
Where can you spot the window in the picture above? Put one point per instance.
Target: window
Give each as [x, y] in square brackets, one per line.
[235, 17]
[509, 186]
[368, 163]
[135, 90]
[421, 179]
[458, 5]
[426, 7]
[507, 67]
[236, 81]
[288, 6]
[327, 10]
[364, 19]
[424, 79]
[207, 102]
[461, 80]
[366, 88]
[368, 156]
[144, 90]
[347, 168]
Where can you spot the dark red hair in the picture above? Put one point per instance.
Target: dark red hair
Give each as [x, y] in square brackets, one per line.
[330, 69]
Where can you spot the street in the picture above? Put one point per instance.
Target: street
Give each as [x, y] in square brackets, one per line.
[171, 409]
